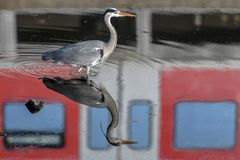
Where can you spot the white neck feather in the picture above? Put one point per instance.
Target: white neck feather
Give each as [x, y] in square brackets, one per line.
[111, 44]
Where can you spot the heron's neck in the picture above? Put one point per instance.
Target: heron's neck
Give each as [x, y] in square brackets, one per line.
[114, 115]
[111, 44]
[112, 107]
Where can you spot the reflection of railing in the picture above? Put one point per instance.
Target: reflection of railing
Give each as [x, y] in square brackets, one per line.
[36, 139]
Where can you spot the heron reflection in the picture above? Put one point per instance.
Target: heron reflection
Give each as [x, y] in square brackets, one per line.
[89, 93]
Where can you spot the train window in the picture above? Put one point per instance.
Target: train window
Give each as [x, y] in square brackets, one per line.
[140, 126]
[205, 125]
[45, 128]
[98, 117]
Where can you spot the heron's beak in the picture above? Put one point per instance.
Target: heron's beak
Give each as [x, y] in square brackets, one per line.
[127, 142]
[125, 14]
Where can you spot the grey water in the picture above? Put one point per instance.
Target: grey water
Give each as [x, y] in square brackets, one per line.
[48, 109]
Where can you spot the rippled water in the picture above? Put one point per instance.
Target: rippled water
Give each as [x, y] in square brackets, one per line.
[67, 118]
[46, 86]
[29, 62]
[177, 99]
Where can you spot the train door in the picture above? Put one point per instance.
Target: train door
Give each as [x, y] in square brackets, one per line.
[140, 108]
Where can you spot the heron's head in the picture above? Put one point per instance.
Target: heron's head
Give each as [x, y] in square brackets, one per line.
[113, 12]
[118, 142]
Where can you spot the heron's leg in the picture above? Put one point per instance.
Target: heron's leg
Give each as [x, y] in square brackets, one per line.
[80, 69]
[88, 70]
[87, 75]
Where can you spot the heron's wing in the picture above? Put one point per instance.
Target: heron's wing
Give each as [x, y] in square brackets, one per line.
[83, 53]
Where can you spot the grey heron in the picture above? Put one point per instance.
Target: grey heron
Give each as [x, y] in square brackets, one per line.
[88, 53]
[91, 94]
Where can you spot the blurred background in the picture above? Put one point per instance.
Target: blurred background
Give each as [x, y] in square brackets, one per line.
[174, 77]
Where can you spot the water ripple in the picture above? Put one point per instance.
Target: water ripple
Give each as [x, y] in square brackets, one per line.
[28, 62]
[33, 66]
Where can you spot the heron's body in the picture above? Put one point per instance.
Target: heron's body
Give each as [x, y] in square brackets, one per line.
[81, 54]
[88, 53]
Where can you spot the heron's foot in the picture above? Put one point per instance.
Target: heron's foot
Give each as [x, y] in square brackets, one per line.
[82, 76]
[82, 71]
[93, 74]
[59, 80]
[87, 79]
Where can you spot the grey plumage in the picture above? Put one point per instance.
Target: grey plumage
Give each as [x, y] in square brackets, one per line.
[82, 54]
[88, 53]
[78, 90]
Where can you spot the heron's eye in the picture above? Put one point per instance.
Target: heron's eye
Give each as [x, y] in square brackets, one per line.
[115, 11]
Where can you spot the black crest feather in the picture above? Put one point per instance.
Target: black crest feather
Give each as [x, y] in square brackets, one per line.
[111, 10]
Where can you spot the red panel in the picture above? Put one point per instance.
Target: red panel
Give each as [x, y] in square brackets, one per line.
[180, 85]
[24, 88]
